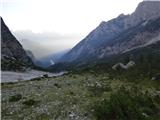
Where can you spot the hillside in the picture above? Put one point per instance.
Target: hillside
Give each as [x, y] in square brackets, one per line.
[94, 94]
[13, 56]
[117, 36]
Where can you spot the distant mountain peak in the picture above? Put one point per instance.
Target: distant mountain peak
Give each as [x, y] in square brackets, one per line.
[121, 34]
[121, 15]
[146, 10]
[150, 0]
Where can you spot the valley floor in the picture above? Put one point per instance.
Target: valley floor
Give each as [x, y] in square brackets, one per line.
[8, 76]
[77, 97]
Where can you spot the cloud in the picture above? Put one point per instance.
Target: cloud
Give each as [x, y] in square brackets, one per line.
[45, 43]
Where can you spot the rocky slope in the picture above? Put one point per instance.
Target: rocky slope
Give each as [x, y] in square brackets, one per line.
[146, 10]
[101, 35]
[13, 56]
[137, 37]
[119, 35]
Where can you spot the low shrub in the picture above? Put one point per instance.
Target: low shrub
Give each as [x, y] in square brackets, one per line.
[15, 98]
[97, 89]
[36, 79]
[126, 105]
[30, 102]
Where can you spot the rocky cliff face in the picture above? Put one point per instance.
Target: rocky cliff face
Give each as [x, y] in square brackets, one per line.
[13, 56]
[142, 35]
[119, 35]
[146, 10]
[98, 37]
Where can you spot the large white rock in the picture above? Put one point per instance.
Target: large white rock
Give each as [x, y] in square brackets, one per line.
[122, 66]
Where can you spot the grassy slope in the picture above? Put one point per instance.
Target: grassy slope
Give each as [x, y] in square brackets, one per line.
[73, 96]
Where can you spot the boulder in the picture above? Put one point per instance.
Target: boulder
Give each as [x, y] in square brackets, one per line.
[122, 66]
[157, 77]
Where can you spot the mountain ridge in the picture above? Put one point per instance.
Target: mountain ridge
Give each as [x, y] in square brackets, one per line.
[13, 56]
[105, 39]
[106, 29]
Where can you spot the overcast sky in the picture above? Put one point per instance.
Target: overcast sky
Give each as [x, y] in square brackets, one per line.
[66, 22]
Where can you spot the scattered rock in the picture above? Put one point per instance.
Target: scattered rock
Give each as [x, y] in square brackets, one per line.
[157, 77]
[98, 85]
[72, 115]
[145, 115]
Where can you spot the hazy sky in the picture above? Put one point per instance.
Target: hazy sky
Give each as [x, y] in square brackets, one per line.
[66, 21]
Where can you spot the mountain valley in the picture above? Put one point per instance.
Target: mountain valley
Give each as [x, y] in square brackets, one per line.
[112, 74]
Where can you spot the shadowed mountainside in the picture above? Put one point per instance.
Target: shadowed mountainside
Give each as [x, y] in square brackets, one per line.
[106, 32]
[13, 56]
[117, 36]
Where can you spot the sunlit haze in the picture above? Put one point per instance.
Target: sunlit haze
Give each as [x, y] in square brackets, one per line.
[59, 24]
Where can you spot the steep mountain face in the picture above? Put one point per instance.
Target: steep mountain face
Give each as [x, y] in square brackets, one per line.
[146, 10]
[13, 56]
[142, 35]
[101, 35]
[119, 35]
[133, 43]
[31, 55]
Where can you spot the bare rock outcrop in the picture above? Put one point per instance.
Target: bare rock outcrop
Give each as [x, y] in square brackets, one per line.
[13, 56]
[122, 66]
